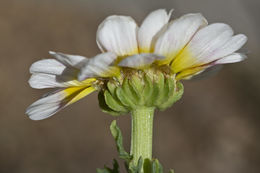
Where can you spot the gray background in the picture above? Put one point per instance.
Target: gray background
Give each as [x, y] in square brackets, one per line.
[214, 128]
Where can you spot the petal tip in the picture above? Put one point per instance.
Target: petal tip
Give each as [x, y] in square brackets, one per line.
[31, 115]
[52, 52]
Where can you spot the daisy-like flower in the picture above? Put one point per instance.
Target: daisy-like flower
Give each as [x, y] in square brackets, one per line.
[177, 49]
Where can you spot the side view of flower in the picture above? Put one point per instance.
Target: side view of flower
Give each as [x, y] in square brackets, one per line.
[183, 47]
[139, 69]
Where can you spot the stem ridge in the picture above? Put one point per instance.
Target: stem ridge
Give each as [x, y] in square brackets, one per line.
[142, 133]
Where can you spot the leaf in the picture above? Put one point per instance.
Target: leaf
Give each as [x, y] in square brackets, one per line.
[136, 168]
[152, 166]
[171, 171]
[116, 133]
[109, 170]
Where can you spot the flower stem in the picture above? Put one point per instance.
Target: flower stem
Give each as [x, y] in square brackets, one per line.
[142, 133]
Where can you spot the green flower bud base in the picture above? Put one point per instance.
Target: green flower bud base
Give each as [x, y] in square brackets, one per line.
[139, 92]
[139, 88]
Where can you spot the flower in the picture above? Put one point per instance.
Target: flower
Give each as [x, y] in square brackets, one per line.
[184, 47]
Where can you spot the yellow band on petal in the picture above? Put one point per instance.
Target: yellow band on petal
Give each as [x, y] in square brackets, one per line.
[182, 61]
[173, 56]
[88, 81]
[188, 73]
[74, 94]
[144, 50]
[76, 83]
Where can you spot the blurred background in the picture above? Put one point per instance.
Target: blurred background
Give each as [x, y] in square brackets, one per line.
[214, 128]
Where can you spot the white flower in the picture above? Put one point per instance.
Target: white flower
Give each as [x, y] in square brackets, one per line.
[186, 46]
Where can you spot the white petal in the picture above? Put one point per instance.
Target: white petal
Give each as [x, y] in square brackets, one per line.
[49, 105]
[47, 66]
[151, 25]
[211, 68]
[41, 80]
[178, 34]
[204, 46]
[97, 65]
[235, 43]
[45, 107]
[118, 34]
[235, 57]
[52, 73]
[140, 60]
[69, 60]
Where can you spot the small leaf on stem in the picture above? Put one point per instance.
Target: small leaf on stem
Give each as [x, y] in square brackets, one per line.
[109, 170]
[116, 133]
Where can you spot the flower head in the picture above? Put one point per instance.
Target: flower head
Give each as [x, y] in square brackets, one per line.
[174, 50]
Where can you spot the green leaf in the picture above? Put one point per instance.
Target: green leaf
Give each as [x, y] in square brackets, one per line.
[136, 168]
[109, 170]
[116, 133]
[105, 170]
[157, 167]
[152, 166]
[147, 166]
[171, 171]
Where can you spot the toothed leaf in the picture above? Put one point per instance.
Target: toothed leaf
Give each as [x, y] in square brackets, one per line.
[109, 170]
[116, 133]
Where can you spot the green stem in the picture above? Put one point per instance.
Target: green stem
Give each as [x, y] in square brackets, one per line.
[142, 133]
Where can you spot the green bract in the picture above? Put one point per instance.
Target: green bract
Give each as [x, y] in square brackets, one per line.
[133, 89]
